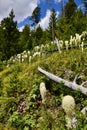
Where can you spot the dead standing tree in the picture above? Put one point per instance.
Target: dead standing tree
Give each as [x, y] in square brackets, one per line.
[73, 85]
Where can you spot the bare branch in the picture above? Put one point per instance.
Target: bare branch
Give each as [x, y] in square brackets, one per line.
[84, 83]
[76, 77]
[58, 79]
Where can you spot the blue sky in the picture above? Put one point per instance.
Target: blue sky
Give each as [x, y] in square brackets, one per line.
[23, 10]
[46, 6]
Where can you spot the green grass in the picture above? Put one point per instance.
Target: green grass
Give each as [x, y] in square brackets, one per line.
[20, 83]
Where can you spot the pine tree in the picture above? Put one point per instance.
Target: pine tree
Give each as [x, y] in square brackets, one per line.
[35, 16]
[52, 24]
[10, 36]
[38, 34]
[24, 40]
[70, 8]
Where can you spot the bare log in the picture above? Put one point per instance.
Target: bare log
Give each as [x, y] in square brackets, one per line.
[69, 84]
[84, 83]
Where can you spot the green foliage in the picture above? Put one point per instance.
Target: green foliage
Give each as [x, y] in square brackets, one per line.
[9, 45]
[38, 35]
[36, 16]
[6, 127]
[1, 86]
[63, 27]
[25, 39]
[50, 116]
[8, 105]
[16, 69]
[1, 66]
[10, 34]
[14, 87]
[77, 22]
[20, 101]
[70, 8]
[28, 119]
[46, 122]
[13, 43]
[52, 25]
[23, 122]
[69, 26]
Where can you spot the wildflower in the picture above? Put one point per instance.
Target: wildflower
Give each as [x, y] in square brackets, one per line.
[68, 104]
[43, 91]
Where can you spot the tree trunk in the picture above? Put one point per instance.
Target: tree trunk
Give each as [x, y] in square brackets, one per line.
[69, 84]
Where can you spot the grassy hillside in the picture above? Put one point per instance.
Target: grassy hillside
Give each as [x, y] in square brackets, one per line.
[20, 102]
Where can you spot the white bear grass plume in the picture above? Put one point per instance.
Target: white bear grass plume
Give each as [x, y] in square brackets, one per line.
[43, 91]
[68, 104]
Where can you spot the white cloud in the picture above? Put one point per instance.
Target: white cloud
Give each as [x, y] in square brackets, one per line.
[57, 14]
[45, 21]
[22, 8]
[57, 1]
[21, 29]
[81, 6]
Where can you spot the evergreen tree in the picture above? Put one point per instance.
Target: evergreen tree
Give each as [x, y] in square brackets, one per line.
[36, 16]
[24, 40]
[38, 34]
[70, 8]
[52, 24]
[10, 36]
[79, 22]
[2, 43]
[67, 27]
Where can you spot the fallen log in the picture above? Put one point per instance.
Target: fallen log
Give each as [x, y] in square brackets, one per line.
[73, 85]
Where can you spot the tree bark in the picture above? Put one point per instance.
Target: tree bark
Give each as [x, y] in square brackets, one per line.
[73, 85]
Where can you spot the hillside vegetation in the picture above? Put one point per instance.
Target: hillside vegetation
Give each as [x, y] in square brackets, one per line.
[61, 49]
[20, 101]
